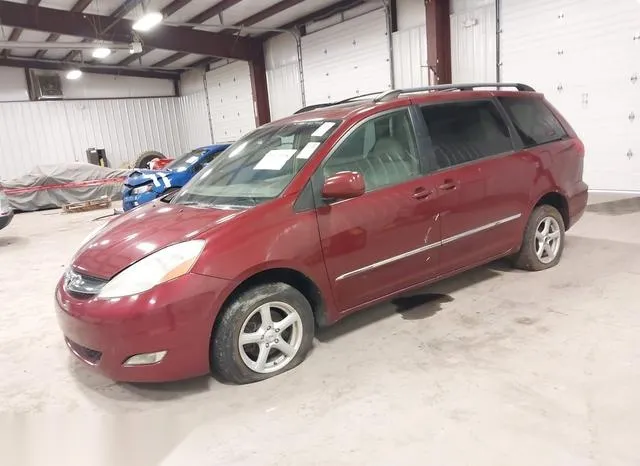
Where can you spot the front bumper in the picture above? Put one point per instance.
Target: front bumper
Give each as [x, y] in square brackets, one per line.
[5, 219]
[131, 201]
[176, 317]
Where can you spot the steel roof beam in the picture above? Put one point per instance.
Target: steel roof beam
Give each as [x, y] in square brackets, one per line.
[56, 65]
[163, 37]
[199, 18]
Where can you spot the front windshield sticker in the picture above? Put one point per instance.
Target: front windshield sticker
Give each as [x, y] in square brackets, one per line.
[322, 129]
[191, 160]
[275, 159]
[307, 150]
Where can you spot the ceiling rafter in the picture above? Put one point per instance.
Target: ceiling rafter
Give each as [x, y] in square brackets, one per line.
[201, 17]
[57, 65]
[17, 32]
[329, 10]
[249, 21]
[180, 39]
[120, 12]
[79, 6]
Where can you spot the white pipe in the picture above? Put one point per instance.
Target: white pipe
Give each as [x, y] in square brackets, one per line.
[60, 45]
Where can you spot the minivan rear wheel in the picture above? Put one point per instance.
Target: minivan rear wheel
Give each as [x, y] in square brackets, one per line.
[263, 332]
[543, 241]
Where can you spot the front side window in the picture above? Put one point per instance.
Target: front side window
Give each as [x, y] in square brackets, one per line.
[382, 150]
[462, 132]
[535, 122]
[258, 167]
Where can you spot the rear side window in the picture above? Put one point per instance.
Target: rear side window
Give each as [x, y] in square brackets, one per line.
[535, 122]
[462, 132]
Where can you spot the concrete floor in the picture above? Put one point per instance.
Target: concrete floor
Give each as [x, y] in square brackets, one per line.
[494, 367]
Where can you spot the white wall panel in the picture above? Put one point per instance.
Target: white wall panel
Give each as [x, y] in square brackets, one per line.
[410, 57]
[283, 76]
[473, 42]
[410, 14]
[347, 59]
[195, 119]
[35, 133]
[13, 85]
[231, 101]
[583, 56]
[101, 86]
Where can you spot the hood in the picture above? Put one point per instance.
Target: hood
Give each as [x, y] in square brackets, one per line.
[140, 232]
[142, 176]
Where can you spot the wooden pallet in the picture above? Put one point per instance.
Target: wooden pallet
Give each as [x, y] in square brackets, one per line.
[93, 204]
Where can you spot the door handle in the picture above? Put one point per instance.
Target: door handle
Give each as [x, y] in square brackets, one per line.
[448, 185]
[422, 193]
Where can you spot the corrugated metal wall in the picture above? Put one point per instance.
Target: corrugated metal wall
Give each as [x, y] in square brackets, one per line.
[473, 41]
[410, 57]
[35, 133]
[195, 119]
[283, 75]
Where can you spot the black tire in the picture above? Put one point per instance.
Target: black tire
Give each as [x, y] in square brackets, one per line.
[226, 360]
[142, 161]
[526, 258]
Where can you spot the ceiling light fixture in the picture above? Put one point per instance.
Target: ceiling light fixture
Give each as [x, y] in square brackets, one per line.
[148, 21]
[101, 52]
[74, 74]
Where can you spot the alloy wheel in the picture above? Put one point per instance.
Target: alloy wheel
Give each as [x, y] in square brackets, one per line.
[547, 239]
[270, 337]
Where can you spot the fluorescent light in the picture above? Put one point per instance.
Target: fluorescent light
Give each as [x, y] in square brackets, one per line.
[101, 52]
[74, 74]
[148, 21]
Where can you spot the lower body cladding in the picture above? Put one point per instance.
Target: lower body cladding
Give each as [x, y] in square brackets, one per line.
[159, 335]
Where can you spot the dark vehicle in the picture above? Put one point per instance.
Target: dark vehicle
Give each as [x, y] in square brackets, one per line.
[316, 216]
[6, 212]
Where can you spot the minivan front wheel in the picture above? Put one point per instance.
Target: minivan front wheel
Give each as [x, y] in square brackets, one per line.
[263, 332]
[543, 240]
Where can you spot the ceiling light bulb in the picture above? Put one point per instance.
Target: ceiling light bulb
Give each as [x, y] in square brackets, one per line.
[148, 21]
[74, 74]
[101, 52]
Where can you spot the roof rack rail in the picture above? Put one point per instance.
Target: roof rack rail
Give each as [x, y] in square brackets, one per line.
[344, 101]
[395, 93]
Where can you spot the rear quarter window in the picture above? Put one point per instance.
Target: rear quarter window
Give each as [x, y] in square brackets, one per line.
[534, 121]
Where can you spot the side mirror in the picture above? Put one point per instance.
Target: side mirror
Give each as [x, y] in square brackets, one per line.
[343, 185]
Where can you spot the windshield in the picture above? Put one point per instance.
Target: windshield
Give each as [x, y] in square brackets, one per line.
[258, 167]
[183, 162]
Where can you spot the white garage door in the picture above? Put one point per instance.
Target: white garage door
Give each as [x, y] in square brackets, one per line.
[585, 56]
[231, 101]
[348, 59]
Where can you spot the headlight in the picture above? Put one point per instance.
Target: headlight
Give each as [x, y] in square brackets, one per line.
[142, 189]
[159, 267]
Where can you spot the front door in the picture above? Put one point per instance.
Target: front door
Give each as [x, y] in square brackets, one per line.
[482, 182]
[386, 239]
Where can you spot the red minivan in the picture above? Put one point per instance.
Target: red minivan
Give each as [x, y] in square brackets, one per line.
[318, 215]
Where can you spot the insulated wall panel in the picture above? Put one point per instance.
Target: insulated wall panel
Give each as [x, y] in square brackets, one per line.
[347, 59]
[585, 56]
[37, 133]
[231, 101]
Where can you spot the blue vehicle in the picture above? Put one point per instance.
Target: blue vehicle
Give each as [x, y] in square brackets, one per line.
[146, 185]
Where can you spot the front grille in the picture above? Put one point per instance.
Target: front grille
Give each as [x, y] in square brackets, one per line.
[82, 286]
[88, 355]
